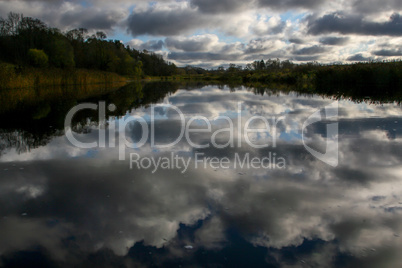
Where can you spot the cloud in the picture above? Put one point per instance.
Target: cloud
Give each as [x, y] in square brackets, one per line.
[165, 20]
[273, 25]
[151, 45]
[334, 41]
[305, 58]
[92, 19]
[264, 46]
[197, 43]
[354, 24]
[296, 40]
[358, 57]
[373, 6]
[221, 6]
[388, 52]
[288, 4]
[203, 49]
[68, 15]
[209, 56]
[311, 50]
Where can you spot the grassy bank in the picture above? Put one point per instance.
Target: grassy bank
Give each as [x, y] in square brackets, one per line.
[12, 77]
[16, 98]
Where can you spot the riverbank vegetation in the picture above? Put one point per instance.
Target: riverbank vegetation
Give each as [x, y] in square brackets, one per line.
[12, 76]
[367, 76]
[16, 98]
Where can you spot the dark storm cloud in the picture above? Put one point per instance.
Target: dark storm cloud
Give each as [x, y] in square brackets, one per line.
[358, 57]
[372, 6]
[310, 50]
[67, 14]
[388, 52]
[354, 24]
[221, 6]
[334, 41]
[164, 22]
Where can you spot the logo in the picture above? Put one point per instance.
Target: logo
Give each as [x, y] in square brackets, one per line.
[330, 156]
[261, 128]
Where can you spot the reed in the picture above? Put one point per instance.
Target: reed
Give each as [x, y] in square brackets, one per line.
[13, 77]
[37, 87]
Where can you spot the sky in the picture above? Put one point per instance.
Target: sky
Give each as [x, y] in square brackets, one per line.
[211, 33]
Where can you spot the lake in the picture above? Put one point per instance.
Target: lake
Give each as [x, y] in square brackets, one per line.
[167, 174]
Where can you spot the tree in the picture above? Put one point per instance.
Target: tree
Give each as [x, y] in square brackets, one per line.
[9, 26]
[20, 36]
[59, 49]
[138, 69]
[37, 58]
[101, 35]
[258, 65]
[249, 67]
[287, 64]
[262, 65]
[77, 40]
[232, 68]
[31, 34]
[77, 35]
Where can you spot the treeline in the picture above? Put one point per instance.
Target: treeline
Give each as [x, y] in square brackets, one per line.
[26, 41]
[366, 78]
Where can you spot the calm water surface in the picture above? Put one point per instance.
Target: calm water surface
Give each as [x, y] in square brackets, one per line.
[61, 205]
